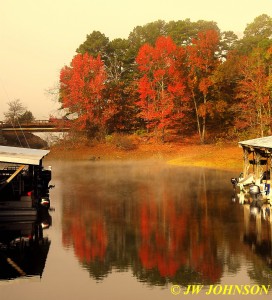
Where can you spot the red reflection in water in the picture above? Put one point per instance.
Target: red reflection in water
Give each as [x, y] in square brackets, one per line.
[161, 243]
[155, 227]
[88, 237]
[92, 244]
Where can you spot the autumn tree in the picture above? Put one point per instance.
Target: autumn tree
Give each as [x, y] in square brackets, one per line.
[202, 61]
[119, 65]
[254, 103]
[161, 87]
[225, 79]
[81, 92]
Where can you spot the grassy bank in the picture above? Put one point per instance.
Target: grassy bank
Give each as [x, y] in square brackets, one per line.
[223, 156]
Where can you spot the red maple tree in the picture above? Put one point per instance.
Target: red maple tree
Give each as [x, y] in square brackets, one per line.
[81, 92]
[161, 86]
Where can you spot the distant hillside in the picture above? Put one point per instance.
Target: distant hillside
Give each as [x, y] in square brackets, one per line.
[22, 140]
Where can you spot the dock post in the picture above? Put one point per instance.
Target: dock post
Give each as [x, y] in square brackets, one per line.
[246, 161]
[258, 165]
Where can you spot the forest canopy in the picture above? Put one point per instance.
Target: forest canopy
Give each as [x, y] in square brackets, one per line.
[182, 77]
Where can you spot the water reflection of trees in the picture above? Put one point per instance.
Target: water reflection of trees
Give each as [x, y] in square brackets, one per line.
[163, 228]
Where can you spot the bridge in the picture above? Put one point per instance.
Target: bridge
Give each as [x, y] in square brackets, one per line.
[37, 126]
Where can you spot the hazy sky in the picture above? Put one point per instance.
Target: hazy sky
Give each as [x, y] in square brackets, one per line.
[39, 37]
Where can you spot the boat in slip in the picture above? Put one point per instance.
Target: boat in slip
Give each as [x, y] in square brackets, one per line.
[24, 183]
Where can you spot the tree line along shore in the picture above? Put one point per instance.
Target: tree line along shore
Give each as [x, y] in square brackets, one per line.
[189, 78]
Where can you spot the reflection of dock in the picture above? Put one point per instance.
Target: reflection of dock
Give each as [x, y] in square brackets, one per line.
[258, 234]
[23, 248]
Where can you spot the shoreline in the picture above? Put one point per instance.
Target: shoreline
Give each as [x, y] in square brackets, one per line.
[226, 157]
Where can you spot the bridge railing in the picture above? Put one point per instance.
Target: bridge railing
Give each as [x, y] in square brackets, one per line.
[37, 123]
[2, 123]
[37, 126]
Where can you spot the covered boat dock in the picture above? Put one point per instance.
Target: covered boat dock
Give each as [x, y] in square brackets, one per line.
[260, 150]
[254, 184]
[24, 182]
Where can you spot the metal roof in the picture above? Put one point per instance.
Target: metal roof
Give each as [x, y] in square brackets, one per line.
[22, 155]
[264, 142]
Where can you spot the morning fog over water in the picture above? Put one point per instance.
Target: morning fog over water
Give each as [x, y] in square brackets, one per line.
[146, 230]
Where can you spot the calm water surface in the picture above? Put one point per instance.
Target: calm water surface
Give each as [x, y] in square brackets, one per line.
[131, 230]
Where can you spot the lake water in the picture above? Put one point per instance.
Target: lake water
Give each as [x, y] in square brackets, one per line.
[132, 230]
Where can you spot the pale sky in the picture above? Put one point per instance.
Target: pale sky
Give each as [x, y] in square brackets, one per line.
[39, 37]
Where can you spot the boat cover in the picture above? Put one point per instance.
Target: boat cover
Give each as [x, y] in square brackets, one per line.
[21, 155]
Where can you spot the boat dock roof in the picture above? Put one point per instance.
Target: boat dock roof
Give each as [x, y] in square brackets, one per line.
[21, 155]
[260, 143]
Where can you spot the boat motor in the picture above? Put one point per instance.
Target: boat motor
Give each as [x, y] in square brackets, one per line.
[234, 181]
[45, 202]
[255, 192]
[44, 177]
